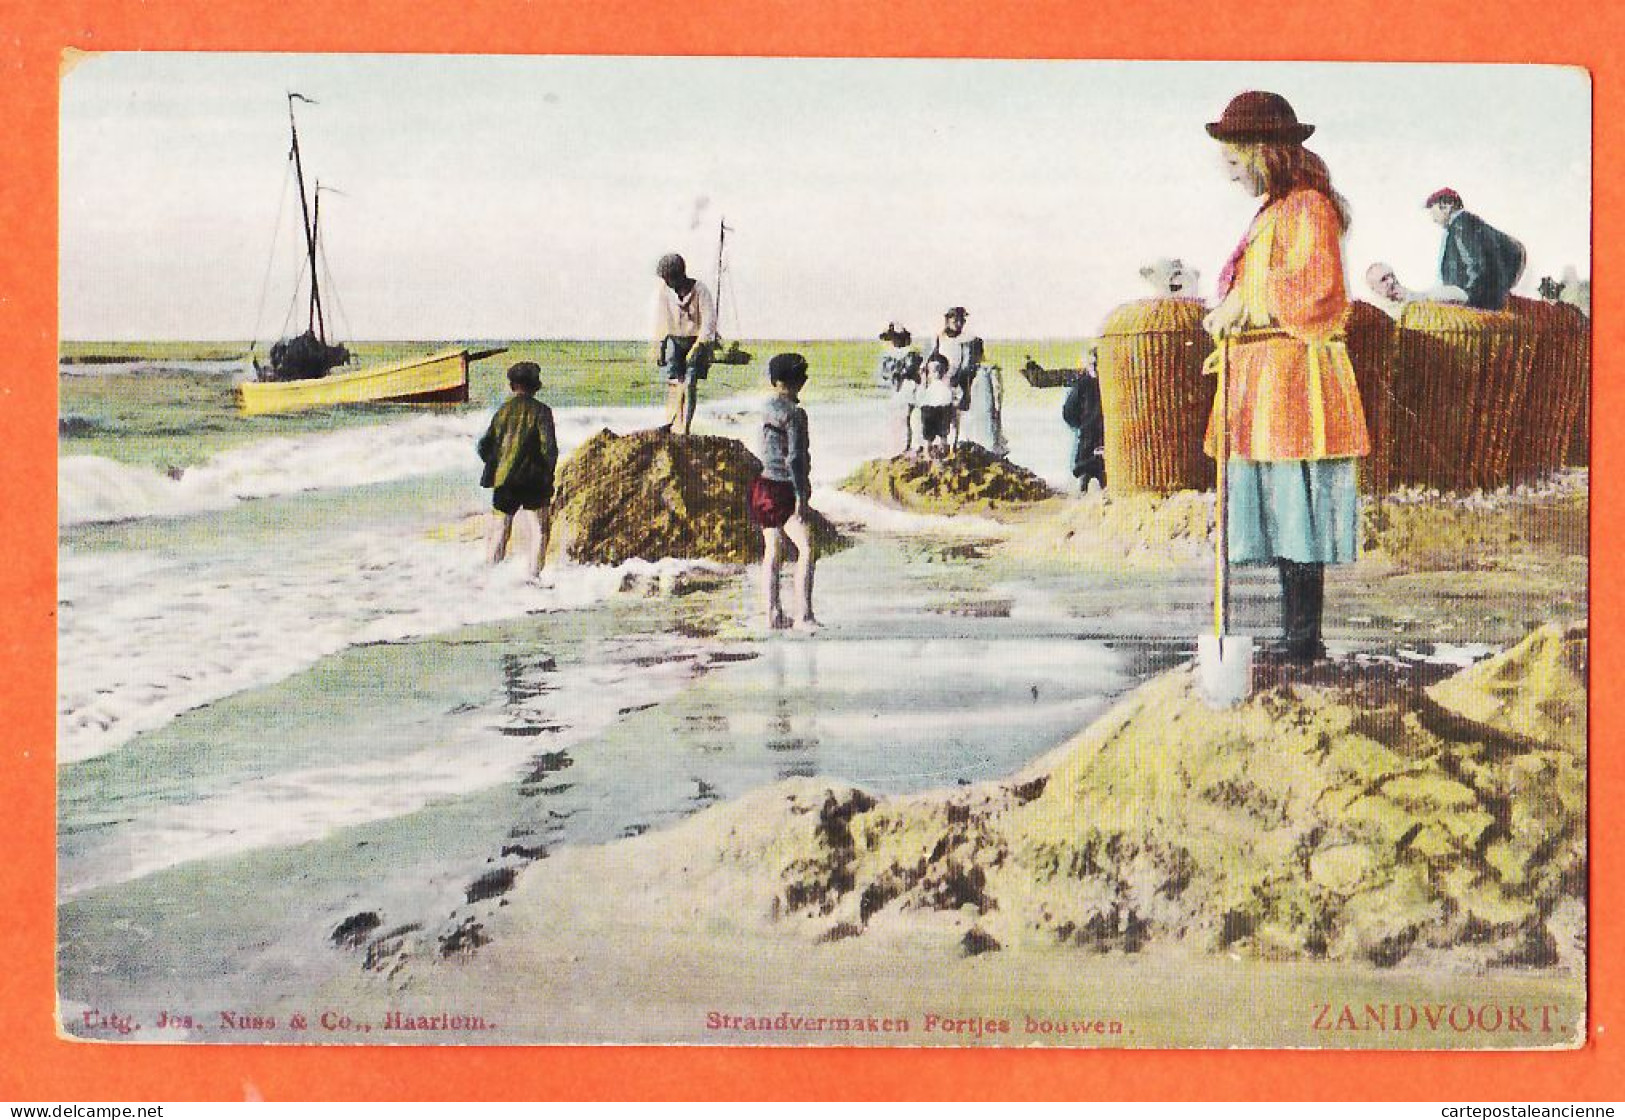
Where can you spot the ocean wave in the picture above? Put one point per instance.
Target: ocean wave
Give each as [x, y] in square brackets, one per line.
[312, 801]
[95, 489]
[145, 638]
[145, 635]
[238, 369]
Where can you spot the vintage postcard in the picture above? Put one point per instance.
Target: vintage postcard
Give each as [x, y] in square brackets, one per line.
[822, 552]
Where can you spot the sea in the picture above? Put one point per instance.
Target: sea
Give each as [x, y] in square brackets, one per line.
[291, 690]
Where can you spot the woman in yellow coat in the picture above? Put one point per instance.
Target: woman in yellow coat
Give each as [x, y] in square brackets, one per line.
[1295, 423]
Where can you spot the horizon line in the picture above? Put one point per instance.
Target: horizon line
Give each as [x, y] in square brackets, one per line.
[428, 341]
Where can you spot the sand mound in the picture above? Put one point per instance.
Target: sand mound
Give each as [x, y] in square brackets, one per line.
[1506, 529]
[1536, 690]
[1104, 529]
[971, 478]
[1423, 530]
[648, 495]
[1363, 820]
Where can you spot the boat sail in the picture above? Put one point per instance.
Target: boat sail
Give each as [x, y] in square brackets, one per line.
[300, 374]
[308, 355]
[732, 355]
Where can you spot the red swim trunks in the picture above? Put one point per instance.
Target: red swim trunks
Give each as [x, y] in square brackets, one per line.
[771, 503]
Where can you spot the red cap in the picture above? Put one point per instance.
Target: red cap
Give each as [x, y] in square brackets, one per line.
[1443, 194]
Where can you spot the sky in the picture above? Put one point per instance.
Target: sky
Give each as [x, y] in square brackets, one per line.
[529, 197]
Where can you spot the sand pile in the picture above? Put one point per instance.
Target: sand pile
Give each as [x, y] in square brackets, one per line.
[1535, 690]
[972, 478]
[1423, 530]
[1111, 530]
[1361, 819]
[1505, 529]
[648, 495]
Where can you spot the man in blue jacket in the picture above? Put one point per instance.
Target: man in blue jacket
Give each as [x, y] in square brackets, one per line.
[1477, 258]
[1082, 412]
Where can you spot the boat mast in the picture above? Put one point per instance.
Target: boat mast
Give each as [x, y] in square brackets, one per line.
[722, 237]
[316, 324]
[315, 240]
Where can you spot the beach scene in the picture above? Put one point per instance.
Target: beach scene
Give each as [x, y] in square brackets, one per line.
[1013, 757]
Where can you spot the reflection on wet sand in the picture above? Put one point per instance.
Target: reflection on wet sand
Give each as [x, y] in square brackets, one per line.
[783, 734]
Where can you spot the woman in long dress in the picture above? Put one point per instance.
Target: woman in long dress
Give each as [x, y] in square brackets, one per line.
[983, 420]
[1295, 423]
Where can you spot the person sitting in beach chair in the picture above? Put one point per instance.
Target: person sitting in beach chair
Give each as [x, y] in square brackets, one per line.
[1477, 258]
[1392, 297]
[520, 453]
[1170, 279]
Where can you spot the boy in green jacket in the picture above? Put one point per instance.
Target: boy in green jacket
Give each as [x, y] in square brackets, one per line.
[520, 452]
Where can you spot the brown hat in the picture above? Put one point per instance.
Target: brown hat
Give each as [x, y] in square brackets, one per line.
[1259, 116]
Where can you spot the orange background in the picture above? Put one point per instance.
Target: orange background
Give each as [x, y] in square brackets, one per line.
[35, 1066]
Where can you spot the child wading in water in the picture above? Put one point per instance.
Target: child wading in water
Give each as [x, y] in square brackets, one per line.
[520, 453]
[779, 496]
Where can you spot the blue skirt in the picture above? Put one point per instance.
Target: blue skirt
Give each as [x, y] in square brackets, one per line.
[1304, 510]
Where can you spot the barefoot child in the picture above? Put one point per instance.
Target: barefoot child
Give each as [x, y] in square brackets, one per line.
[685, 329]
[939, 407]
[520, 453]
[779, 496]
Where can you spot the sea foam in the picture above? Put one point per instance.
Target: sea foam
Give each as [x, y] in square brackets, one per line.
[92, 489]
[143, 638]
[145, 635]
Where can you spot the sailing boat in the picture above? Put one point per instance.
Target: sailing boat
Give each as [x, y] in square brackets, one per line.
[308, 355]
[733, 355]
[300, 374]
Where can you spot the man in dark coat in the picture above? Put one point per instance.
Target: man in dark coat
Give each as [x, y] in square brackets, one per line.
[1082, 413]
[1478, 258]
[520, 452]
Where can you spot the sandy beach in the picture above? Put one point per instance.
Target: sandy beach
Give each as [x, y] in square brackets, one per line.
[746, 924]
[685, 936]
[598, 832]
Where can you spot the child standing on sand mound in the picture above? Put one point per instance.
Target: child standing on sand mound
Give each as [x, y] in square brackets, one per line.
[779, 496]
[939, 408]
[520, 453]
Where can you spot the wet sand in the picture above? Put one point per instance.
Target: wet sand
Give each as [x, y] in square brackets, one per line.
[617, 943]
[621, 944]
[663, 939]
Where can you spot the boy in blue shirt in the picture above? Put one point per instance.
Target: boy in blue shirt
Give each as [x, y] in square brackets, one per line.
[779, 496]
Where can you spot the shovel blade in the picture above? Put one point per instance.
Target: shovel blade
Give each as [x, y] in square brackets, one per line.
[1224, 668]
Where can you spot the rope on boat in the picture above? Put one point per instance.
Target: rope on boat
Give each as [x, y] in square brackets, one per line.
[265, 284]
[733, 303]
[341, 321]
[293, 303]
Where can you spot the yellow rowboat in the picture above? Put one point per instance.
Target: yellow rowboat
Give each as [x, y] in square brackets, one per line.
[301, 367]
[440, 378]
